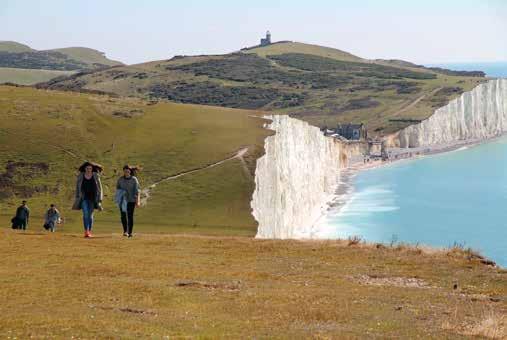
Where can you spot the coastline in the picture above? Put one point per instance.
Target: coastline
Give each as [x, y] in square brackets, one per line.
[345, 188]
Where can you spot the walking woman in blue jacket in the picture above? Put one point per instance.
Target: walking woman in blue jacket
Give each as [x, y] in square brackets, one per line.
[128, 188]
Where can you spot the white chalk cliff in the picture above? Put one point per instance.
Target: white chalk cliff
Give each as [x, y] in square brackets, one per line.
[295, 179]
[476, 115]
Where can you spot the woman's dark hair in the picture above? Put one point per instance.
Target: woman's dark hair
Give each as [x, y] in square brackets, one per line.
[95, 166]
[134, 169]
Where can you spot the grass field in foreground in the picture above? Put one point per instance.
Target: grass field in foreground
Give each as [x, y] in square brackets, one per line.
[155, 286]
[48, 134]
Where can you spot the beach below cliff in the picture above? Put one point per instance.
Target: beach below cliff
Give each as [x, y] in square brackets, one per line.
[437, 199]
[396, 154]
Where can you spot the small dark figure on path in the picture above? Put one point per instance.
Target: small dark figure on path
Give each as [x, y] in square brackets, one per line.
[88, 194]
[20, 221]
[51, 218]
[128, 197]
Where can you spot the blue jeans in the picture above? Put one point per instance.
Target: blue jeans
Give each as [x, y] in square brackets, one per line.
[87, 207]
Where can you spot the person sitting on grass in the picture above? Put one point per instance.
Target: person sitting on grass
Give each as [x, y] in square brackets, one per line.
[51, 218]
[20, 221]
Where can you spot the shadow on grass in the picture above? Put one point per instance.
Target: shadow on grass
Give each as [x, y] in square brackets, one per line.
[90, 238]
[96, 236]
[30, 234]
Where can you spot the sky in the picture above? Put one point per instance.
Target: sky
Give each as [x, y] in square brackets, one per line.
[135, 31]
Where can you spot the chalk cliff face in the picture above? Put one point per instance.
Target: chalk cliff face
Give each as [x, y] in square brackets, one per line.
[478, 114]
[295, 179]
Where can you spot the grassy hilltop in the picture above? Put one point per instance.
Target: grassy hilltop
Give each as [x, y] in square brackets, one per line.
[14, 47]
[45, 135]
[321, 85]
[20, 64]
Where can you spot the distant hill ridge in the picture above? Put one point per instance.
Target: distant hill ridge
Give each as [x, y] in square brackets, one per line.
[441, 70]
[321, 85]
[14, 47]
[16, 55]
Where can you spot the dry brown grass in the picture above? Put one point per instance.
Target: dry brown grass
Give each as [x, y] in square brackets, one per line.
[60, 285]
[492, 326]
[488, 324]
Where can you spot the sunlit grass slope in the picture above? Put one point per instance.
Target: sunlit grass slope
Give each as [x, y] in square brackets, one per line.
[297, 47]
[321, 85]
[13, 47]
[61, 129]
[28, 76]
[87, 55]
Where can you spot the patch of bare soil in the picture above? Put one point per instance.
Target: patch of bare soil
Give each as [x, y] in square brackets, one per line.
[126, 310]
[230, 286]
[407, 282]
[13, 180]
[128, 113]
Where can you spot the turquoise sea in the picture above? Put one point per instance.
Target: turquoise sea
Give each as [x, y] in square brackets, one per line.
[458, 197]
[492, 69]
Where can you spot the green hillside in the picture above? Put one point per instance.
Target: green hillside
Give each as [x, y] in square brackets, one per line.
[14, 47]
[24, 76]
[296, 47]
[321, 85]
[45, 135]
[87, 55]
[38, 66]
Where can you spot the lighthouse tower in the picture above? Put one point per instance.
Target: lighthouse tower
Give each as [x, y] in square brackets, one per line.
[266, 41]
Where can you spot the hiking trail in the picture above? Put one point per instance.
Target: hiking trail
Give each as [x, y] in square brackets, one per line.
[146, 193]
[416, 101]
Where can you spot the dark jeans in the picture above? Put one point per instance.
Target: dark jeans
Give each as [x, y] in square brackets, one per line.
[51, 226]
[87, 207]
[20, 224]
[127, 218]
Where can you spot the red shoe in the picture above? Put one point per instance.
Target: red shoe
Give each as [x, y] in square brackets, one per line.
[90, 234]
[87, 234]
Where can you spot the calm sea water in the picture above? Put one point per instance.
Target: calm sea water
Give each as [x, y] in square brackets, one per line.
[493, 69]
[457, 197]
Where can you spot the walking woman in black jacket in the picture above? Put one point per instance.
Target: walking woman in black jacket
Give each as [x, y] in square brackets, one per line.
[88, 194]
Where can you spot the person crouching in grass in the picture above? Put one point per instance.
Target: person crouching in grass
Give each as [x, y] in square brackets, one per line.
[88, 194]
[20, 221]
[129, 184]
[51, 218]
